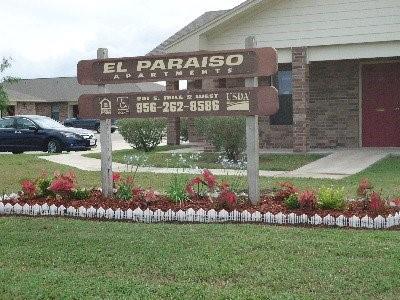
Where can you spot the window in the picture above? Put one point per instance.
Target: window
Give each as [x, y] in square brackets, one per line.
[283, 82]
[6, 123]
[55, 112]
[23, 123]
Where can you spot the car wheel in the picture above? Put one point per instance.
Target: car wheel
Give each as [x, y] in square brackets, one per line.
[53, 146]
[98, 129]
[17, 152]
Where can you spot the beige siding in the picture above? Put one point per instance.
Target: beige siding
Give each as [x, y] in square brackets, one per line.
[288, 23]
[322, 25]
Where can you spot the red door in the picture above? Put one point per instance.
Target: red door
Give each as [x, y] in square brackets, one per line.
[381, 105]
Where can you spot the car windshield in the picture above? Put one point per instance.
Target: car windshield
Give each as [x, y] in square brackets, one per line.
[47, 123]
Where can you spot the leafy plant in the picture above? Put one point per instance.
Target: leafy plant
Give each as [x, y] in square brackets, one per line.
[292, 201]
[143, 134]
[125, 189]
[29, 188]
[226, 200]
[376, 203]
[63, 184]
[176, 190]
[226, 134]
[43, 185]
[81, 194]
[364, 187]
[330, 198]
[285, 189]
[307, 200]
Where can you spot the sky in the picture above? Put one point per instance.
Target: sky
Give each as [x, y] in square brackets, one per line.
[47, 38]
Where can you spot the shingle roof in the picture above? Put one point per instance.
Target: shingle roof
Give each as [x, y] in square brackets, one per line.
[66, 89]
[196, 24]
[199, 22]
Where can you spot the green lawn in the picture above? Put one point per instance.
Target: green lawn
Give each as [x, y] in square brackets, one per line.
[70, 259]
[385, 175]
[269, 162]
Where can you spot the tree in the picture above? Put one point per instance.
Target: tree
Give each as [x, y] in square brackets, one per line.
[4, 100]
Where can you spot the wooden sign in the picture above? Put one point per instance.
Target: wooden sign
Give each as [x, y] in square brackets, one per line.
[261, 101]
[179, 66]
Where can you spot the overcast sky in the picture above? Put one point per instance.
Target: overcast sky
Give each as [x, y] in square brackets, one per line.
[46, 38]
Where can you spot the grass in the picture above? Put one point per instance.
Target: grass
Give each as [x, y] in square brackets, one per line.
[72, 259]
[268, 162]
[384, 175]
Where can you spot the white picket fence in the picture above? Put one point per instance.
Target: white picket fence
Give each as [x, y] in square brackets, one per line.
[199, 216]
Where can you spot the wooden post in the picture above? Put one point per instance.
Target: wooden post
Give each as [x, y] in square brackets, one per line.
[105, 142]
[252, 140]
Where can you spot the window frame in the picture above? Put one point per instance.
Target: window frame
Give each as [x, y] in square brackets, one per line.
[283, 117]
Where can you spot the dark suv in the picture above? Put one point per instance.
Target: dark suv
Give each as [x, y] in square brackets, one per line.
[90, 124]
[38, 133]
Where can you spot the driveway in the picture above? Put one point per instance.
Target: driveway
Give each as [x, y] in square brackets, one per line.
[337, 165]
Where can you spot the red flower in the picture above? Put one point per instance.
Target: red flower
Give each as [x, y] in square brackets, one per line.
[227, 199]
[224, 186]
[363, 188]
[136, 192]
[286, 189]
[116, 176]
[29, 188]
[307, 199]
[150, 196]
[209, 179]
[63, 182]
[376, 203]
[190, 191]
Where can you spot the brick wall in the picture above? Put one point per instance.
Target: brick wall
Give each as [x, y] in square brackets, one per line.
[325, 116]
[25, 108]
[334, 104]
[41, 109]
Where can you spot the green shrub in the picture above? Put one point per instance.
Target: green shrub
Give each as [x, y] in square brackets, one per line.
[330, 198]
[292, 202]
[143, 134]
[226, 134]
[43, 185]
[81, 194]
[176, 191]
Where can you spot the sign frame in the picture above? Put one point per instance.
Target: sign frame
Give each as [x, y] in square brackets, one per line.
[188, 65]
[181, 103]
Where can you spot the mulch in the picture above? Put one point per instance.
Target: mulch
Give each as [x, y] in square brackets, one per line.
[267, 204]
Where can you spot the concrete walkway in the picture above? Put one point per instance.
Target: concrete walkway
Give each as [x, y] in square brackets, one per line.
[338, 165]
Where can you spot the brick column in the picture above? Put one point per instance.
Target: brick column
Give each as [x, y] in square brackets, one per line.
[173, 124]
[301, 99]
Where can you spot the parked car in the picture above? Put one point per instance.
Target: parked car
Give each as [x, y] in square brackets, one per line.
[38, 133]
[90, 124]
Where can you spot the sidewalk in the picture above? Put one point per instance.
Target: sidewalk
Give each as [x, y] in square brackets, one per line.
[338, 165]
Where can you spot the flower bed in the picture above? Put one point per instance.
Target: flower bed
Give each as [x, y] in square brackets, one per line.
[203, 199]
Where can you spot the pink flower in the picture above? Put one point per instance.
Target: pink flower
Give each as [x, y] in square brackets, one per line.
[116, 176]
[209, 179]
[137, 192]
[150, 195]
[29, 187]
[228, 197]
[63, 182]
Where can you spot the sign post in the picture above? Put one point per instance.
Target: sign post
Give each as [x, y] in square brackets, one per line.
[251, 101]
[105, 141]
[252, 140]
